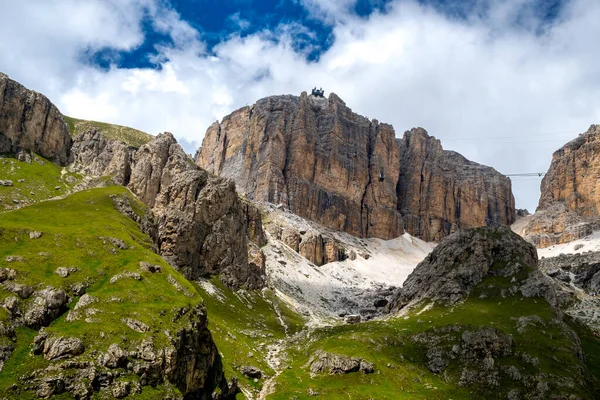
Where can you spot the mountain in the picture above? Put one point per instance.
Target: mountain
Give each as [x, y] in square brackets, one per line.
[569, 206]
[127, 271]
[333, 166]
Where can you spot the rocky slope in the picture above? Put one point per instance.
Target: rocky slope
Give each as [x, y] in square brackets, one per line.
[569, 206]
[28, 120]
[475, 320]
[201, 225]
[440, 191]
[331, 165]
[89, 310]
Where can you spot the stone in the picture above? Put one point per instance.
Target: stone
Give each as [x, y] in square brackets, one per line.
[46, 306]
[251, 372]
[63, 272]
[23, 291]
[115, 357]
[136, 325]
[126, 275]
[152, 268]
[352, 319]
[29, 121]
[35, 235]
[121, 389]
[336, 364]
[5, 182]
[7, 274]
[11, 304]
[62, 347]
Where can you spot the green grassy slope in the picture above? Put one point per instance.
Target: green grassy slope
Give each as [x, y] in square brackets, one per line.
[244, 325]
[401, 361]
[35, 181]
[130, 136]
[77, 232]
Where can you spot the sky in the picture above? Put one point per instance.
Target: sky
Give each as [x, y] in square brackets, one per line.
[503, 82]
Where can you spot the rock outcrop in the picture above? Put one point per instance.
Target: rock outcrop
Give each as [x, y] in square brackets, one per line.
[328, 164]
[29, 121]
[315, 156]
[462, 260]
[189, 361]
[580, 275]
[200, 221]
[569, 206]
[440, 191]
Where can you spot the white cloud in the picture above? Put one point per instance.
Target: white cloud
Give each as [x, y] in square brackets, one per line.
[464, 80]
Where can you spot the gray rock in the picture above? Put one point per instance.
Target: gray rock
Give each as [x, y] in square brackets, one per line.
[62, 347]
[338, 364]
[121, 389]
[4, 182]
[128, 274]
[152, 268]
[115, 357]
[46, 306]
[251, 372]
[136, 325]
[352, 319]
[461, 261]
[23, 291]
[11, 304]
[62, 272]
[29, 121]
[7, 274]
[35, 235]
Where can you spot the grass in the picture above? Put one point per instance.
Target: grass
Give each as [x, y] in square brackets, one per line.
[130, 136]
[245, 323]
[400, 361]
[72, 231]
[33, 182]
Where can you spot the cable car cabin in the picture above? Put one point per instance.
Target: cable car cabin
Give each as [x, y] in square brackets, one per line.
[381, 176]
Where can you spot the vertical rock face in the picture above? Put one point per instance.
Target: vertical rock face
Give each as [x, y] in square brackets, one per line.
[569, 206]
[28, 120]
[440, 191]
[201, 223]
[335, 167]
[315, 156]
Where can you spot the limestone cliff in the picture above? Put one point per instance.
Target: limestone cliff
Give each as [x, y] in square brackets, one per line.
[29, 121]
[330, 165]
[440, 191]
[201, 223]
[569, 206]
[315, 156]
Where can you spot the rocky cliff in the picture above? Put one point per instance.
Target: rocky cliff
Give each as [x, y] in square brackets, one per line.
[29, 121]
[328, 164]
[201, 224]
[569, 206]
[440, 191]
[316, 157]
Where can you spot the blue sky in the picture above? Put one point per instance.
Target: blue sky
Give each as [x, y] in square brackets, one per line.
[216, 21]
[503, 82]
